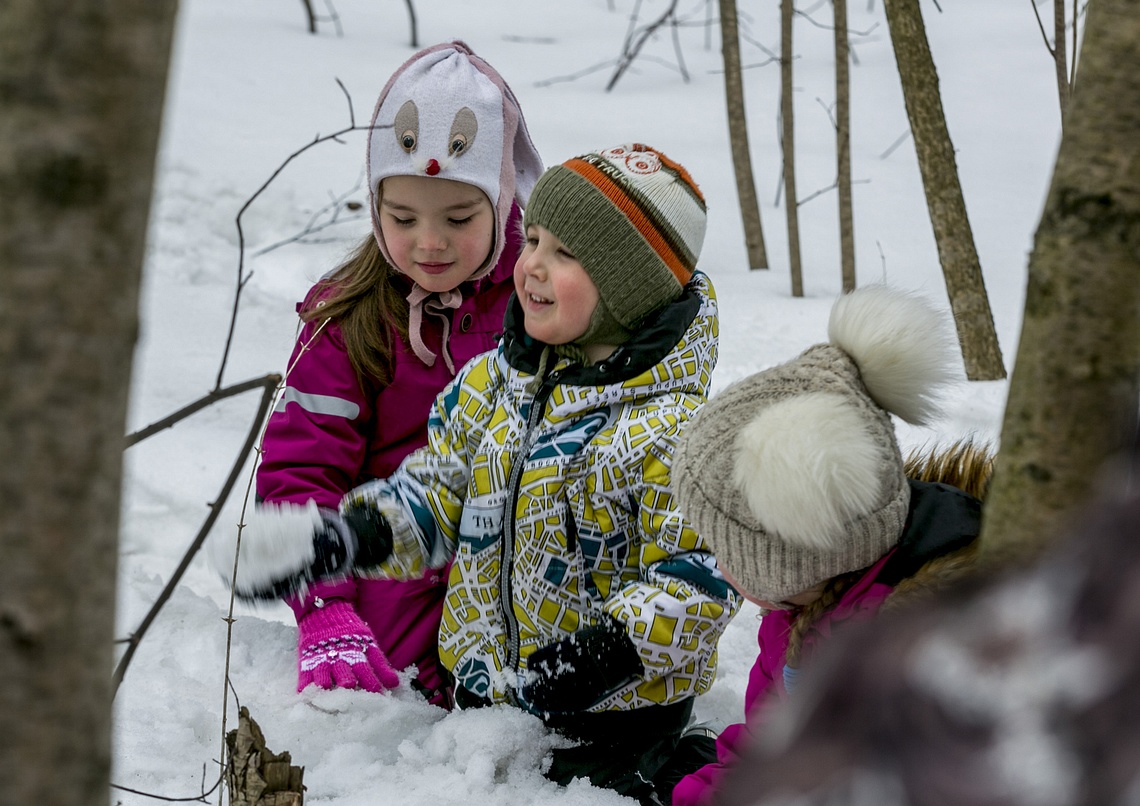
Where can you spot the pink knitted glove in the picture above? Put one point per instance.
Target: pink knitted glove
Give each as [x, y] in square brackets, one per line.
[335, 648]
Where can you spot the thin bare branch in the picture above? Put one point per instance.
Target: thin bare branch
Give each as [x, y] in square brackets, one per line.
[331, 212]
[902, 138]
[313, 19]
[546, 82]
[242, 276]
[1041, 28]
[310, 16]
[412, 23]
[833, 186]
[635, 40]
[228, 684]
[1073, 61]
[193, 799]
[529, 40]
[806, 14]
[773, 56]
[828, 110]
[677, 49]
[334, 18]
[269, 384]
[1060, 56]
[207, 400]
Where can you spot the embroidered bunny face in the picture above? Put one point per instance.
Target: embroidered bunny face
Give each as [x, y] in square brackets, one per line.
[406, 129]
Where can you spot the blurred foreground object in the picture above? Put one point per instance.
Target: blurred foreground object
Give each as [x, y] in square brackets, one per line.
[1023, 688]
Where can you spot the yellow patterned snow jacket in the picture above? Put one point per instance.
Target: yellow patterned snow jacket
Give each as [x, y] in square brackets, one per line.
[574, 469]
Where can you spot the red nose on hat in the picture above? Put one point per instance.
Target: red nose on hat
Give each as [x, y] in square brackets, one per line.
[432, 167]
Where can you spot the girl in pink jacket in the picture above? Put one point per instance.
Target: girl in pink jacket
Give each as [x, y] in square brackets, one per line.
[794, 478]
[450, 165]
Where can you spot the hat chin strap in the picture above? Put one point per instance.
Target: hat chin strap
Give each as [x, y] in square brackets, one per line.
[438, 304]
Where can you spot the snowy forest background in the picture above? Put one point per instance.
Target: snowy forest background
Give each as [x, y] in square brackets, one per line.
[249, 86]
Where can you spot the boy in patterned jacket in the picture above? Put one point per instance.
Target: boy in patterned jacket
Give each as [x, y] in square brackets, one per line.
[578, 591]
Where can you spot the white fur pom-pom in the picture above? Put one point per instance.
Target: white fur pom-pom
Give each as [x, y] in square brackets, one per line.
[807, 466]
[276, 544]
[902, 344]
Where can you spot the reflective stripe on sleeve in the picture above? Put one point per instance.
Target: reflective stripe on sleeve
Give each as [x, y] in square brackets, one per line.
[318, 404]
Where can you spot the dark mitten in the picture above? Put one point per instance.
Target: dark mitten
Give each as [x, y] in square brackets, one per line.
[373, 535]
[579, 671]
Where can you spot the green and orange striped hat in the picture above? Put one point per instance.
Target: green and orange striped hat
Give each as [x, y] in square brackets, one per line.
[634, 219]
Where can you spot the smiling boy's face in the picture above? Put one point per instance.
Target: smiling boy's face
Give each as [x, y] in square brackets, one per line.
[557, 295]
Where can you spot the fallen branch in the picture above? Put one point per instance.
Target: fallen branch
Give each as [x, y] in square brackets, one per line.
[192, 799]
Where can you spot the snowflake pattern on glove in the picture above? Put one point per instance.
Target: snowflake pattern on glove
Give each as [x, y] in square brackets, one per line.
[337, 650]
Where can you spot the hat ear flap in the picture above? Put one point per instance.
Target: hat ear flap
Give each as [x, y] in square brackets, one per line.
[525, 159]
[808, 465]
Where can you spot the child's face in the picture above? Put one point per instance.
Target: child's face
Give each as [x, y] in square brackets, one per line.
[438, 232]
[557, 295]
[801, 599]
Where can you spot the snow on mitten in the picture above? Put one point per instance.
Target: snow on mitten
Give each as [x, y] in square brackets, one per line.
[335, 649]
[578, 672]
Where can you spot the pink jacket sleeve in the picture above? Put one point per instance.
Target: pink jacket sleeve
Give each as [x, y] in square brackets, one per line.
[764, 682]
[316, 439]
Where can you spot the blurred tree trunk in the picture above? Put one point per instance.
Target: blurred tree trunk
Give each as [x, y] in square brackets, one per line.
[81, 94]
[738, 137]
[960, 266]
[1073, 396]
[787, 141]
[843, 146]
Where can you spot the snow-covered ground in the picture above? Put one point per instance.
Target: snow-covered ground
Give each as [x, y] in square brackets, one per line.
[249, 86]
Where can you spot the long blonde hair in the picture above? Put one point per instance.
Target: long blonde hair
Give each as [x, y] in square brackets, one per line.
[367, 302]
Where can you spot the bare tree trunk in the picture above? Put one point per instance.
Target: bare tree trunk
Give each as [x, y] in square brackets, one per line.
[738, 137]
[82, 94]
[787, 139]
[1073, 395]
[843, 147]
[952, 233]
[1060, 60]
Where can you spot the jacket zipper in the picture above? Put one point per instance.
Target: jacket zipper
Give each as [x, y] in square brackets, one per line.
[507, 547]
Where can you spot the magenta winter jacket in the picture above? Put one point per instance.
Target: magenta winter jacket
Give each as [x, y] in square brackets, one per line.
[941, 520]
[766, 680]
[328, 435]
